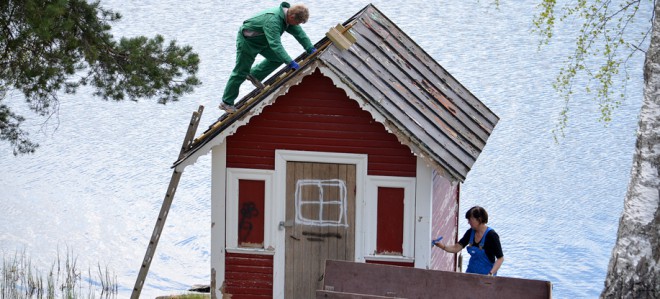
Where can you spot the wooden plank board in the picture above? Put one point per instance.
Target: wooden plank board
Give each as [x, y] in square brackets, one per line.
[338, 295]
[404, 282]
[461, 116]
[456, 166]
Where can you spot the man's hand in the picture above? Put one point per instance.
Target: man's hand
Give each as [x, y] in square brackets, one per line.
[311, 51]
[294, 65]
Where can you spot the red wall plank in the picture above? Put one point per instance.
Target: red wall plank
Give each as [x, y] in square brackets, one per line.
[389, 236]
[249, 275]
[317, 116]
[251, 197]
[402, 264]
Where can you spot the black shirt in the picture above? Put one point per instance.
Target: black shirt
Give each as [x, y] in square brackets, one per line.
[492, 244]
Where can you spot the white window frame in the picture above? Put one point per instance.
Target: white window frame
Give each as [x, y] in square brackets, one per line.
[233, 176]
[371, 218]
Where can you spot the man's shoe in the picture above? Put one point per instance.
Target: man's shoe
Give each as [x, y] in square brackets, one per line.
[255, 82]
[227, 108]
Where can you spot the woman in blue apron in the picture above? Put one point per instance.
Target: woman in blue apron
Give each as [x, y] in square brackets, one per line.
[482, 242]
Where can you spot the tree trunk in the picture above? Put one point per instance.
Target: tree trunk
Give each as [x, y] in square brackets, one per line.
[634, 269]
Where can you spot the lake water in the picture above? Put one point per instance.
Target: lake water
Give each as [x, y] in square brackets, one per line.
[96, 184]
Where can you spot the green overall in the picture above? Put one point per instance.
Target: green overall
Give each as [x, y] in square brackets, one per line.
[266, 27]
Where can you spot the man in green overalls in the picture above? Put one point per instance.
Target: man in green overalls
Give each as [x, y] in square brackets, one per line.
[261, 35]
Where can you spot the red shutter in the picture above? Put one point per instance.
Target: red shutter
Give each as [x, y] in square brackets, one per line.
[251, 213]
[389, 239]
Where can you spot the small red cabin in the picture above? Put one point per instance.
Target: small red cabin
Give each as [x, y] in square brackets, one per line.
[356, 156]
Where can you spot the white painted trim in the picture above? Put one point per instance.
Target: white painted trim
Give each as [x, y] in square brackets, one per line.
[255, 251]
[218, 179]
[389, 258]
[423, 214]
[233, 176]
[284, 156]
[254, 111]
[371, 219]
[353, 94]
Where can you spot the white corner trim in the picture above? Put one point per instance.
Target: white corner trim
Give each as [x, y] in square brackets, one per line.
[279, 203]
[218, 167]
[371, 219]
[233, 176]
[423, 214]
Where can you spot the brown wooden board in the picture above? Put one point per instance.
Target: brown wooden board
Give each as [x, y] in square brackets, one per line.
[337, 295]
[403, 282]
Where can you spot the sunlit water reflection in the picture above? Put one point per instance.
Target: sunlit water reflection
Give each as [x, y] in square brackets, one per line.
[97, 182]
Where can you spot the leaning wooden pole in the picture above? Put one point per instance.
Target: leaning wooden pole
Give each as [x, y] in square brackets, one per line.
[167, 203]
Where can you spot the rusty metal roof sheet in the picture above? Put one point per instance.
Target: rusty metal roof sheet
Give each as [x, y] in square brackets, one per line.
[397, 82]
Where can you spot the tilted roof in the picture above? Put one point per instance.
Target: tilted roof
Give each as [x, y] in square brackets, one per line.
[395, 80]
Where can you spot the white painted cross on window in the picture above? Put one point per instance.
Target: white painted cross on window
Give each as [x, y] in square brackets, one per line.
[319, 199]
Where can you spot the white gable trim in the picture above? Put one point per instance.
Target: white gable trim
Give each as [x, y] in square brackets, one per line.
[352, 94]
[245, 119]
[403, 138]
[284, 156]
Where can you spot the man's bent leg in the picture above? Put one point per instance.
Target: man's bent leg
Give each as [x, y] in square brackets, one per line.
[244, 60]
[264, 68]
[267, 66]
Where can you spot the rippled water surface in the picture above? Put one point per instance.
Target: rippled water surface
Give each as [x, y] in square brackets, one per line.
[96, 184]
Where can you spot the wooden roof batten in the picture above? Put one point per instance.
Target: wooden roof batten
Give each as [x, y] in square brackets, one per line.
[393, 79]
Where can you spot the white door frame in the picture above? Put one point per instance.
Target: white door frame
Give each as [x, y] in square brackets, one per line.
[279, 204]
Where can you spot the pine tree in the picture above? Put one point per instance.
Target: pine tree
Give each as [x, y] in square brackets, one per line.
[49, 47]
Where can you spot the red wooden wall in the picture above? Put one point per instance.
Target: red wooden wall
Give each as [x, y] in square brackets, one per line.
[313, 116]
[317, 116]
[248, 276]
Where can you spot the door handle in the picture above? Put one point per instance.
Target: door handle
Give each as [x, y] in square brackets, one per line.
[285, 224]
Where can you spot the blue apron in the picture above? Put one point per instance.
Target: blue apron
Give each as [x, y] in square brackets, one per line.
[479, 262]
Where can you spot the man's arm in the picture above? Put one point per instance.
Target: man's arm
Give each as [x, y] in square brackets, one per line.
[272, 31]
[301, 37]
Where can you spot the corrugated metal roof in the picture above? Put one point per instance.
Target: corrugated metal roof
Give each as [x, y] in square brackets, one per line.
[398, 82]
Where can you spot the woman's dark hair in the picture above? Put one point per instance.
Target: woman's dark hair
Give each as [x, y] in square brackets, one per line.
[478, 213]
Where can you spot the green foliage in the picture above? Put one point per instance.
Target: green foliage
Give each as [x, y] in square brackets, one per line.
[53, 46]
[603, 28]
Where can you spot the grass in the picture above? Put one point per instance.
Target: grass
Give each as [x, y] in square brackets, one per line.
[19, 278]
